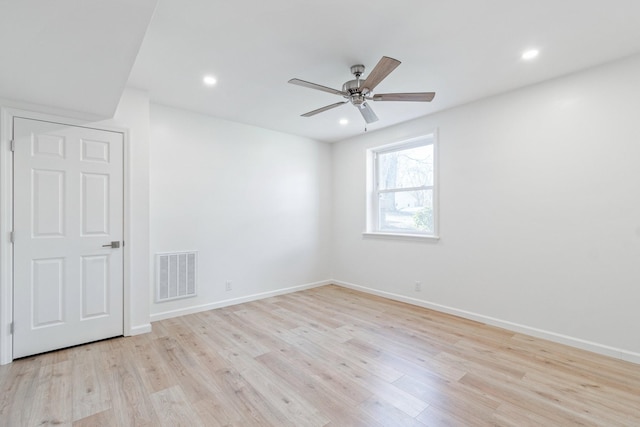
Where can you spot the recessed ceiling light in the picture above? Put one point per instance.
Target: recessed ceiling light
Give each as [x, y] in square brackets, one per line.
[209, 80]
[343, 122]
[530, 54]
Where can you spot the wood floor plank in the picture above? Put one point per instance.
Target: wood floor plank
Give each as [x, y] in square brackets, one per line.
[513, 416]
[314, 389]
[153, 371]
[326, 356]
[435, 416]
[448, 395]
[101, 419]
[53, 399]
[184, 369]
[173, 408]
[235, 337]
[621, 374]
[388, 414]
[508, 390]
[129, 398]
[416, 368]
[213, 411]
[89, 384]
[581, 402]
[19, 385]
[342, 379]
[296, 409]
[244, 398]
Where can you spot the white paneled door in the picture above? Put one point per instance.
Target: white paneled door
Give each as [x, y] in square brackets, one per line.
[68, 229]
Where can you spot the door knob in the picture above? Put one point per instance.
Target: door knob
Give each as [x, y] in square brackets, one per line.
[112, 245]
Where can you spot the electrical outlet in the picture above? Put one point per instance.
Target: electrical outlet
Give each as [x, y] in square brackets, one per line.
[417, 286]
[227, 285]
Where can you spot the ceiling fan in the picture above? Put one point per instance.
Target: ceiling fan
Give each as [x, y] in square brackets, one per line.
[358, 91]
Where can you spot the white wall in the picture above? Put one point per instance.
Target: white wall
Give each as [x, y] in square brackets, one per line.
[539, 212]
[254, 203]
[133, 114]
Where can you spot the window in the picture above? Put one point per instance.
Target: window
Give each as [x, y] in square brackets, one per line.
[402, 188]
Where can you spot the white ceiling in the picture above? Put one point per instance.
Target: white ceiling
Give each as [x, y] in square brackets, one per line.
[462, 49]
[74, 55]
[77, 54]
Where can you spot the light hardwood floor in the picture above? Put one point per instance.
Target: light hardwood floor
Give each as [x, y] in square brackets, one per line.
[322, 357]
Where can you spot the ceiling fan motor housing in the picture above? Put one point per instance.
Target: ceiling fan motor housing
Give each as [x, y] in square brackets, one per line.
[352, 86]
[354, 89]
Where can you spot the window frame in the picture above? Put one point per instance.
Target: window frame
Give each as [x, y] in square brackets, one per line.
[374, 192]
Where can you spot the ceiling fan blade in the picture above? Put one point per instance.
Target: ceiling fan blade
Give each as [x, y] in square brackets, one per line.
[317, 87]
[320, 110]
[367, 113]
[382, 69]
[415, 97]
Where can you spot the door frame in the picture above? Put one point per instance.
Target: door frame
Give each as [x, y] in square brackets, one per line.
[6, 221]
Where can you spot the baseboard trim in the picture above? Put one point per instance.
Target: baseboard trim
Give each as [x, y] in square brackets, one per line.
[605, 350]
[139, 330]
[233, 301]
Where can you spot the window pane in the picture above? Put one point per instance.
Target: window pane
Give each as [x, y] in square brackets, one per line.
[406, 211]
[406, 168]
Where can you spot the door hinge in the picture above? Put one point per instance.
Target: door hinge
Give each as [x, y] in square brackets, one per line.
[12, 237]
[12, 145]
[11, 328]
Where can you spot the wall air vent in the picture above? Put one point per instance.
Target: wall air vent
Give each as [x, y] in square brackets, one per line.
[176, 275]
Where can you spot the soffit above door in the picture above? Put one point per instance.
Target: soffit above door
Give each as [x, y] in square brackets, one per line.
[73, 55]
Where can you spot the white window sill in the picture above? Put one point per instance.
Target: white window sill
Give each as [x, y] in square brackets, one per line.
[398, 236]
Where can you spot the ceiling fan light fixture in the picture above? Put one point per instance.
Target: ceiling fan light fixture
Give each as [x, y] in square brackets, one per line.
[530, 54]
